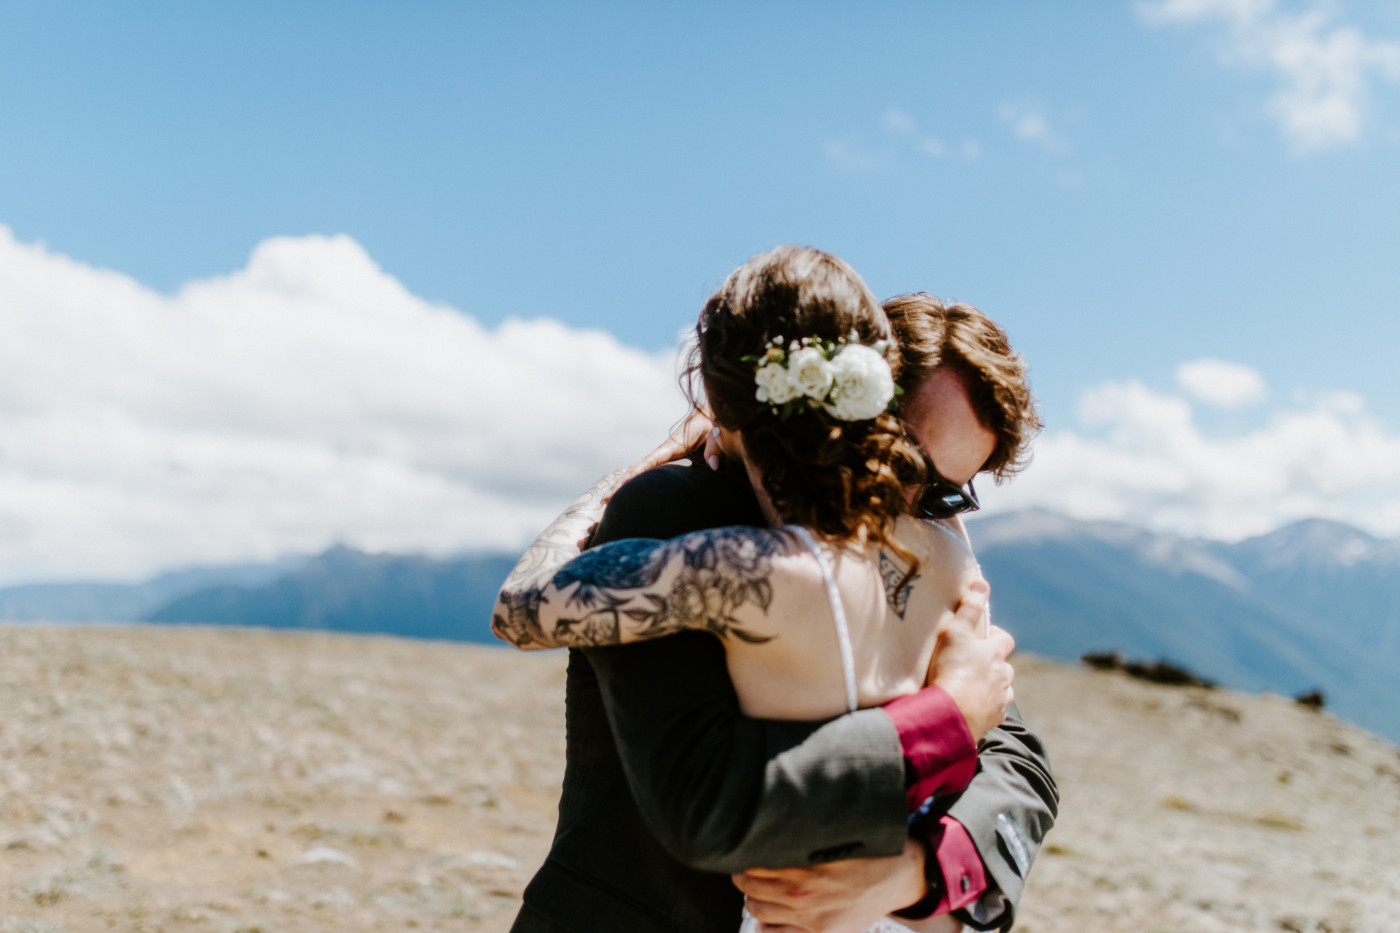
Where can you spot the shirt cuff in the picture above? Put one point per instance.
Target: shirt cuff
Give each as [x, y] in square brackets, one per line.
[954, 871]
[936, 742]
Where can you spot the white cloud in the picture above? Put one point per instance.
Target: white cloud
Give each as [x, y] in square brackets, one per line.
[1139, 456]
[1221, 383]
[849, 156]
[933, 146]
[1324, 71]
[900, 137]
[306, 399]
[1030, 124]
[898, 122]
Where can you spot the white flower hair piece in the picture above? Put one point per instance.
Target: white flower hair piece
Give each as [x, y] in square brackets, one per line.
[845, 378]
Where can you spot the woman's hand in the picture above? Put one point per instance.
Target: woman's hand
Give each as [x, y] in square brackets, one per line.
[973, 669]
[684, 440]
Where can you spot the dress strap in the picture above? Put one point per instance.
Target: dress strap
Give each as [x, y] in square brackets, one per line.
[838, 612]
[962, 542]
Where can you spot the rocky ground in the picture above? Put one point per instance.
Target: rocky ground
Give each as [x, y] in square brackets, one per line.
[158, 779]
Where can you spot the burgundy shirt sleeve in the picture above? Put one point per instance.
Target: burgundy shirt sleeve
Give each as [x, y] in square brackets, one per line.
[964, 878]
[937, 744]
[942, 757]
[961, 876]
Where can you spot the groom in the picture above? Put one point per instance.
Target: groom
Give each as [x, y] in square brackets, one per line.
[668, 787]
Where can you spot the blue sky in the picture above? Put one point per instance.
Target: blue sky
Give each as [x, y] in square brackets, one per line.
[1126, 187]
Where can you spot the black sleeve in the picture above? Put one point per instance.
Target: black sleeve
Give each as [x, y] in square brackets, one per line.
[721, 791]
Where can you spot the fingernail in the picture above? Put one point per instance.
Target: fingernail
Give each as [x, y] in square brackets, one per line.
[714, 432]
[713, 461]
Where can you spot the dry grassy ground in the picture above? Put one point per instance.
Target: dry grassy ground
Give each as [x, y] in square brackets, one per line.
[241, 780]
[234, 780]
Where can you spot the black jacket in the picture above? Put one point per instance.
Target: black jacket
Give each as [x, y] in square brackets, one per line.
[668, 787]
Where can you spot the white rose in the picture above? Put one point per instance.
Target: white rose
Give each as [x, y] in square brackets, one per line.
[809, 373]
[773, 385]
[863, 383]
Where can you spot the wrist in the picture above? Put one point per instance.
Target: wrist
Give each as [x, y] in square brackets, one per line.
[928, 887]
[940, 753]
[916, 890]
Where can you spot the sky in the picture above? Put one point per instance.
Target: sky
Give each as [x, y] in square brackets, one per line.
[408, 277]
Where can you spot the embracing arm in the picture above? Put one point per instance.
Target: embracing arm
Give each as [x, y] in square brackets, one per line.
[516, 616]
[722, 580]
[1007, 810]
[723, 791]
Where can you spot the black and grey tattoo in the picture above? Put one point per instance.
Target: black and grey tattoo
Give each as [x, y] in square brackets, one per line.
[720, 571]
[517, 617]
[899, 583]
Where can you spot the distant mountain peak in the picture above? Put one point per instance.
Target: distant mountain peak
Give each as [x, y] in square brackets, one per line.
[1316, 542]
[1168, 551]
[1030, 525]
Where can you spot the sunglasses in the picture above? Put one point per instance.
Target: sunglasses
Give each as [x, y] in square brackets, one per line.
[943, 498]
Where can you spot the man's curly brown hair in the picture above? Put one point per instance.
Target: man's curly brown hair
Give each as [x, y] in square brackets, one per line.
[931, 332]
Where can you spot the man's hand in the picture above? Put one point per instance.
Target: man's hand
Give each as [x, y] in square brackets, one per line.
[838, 897]
[974, 670]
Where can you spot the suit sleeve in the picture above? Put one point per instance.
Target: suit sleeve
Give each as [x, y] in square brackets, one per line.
[722, 791]
[1007, 810]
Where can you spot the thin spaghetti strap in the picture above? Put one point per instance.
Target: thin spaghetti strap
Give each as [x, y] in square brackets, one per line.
[962, 542]
[838, 613]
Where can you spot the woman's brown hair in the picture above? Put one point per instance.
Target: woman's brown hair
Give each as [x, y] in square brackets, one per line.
[835, 477]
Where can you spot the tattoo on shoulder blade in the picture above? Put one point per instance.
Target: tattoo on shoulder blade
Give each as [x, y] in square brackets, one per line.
[720, 571]
[899, 583]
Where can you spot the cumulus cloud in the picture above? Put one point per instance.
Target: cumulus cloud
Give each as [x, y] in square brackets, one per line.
[1140, 456]
[1221, 383]
[1324, 70]
[304, 400]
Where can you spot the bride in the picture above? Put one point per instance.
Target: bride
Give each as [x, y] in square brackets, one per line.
[840, 604]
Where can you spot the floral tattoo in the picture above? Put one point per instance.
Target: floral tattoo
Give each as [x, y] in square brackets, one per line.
[612, 589]
[517, 615]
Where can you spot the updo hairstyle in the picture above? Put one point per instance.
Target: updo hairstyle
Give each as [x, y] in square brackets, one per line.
[835, 477]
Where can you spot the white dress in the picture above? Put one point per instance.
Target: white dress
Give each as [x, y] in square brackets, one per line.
[848, 671]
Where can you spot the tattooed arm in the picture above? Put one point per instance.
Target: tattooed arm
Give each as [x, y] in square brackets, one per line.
[516, 618]
[638, 589]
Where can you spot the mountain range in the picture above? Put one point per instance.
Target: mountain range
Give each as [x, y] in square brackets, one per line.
[1311, 606]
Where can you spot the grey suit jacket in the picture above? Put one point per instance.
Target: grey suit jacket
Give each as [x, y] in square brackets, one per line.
[668, 787]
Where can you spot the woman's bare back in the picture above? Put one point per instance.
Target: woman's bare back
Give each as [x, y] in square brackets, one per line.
[893, 623]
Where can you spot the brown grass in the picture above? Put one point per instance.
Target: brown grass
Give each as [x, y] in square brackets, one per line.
[157, 779]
